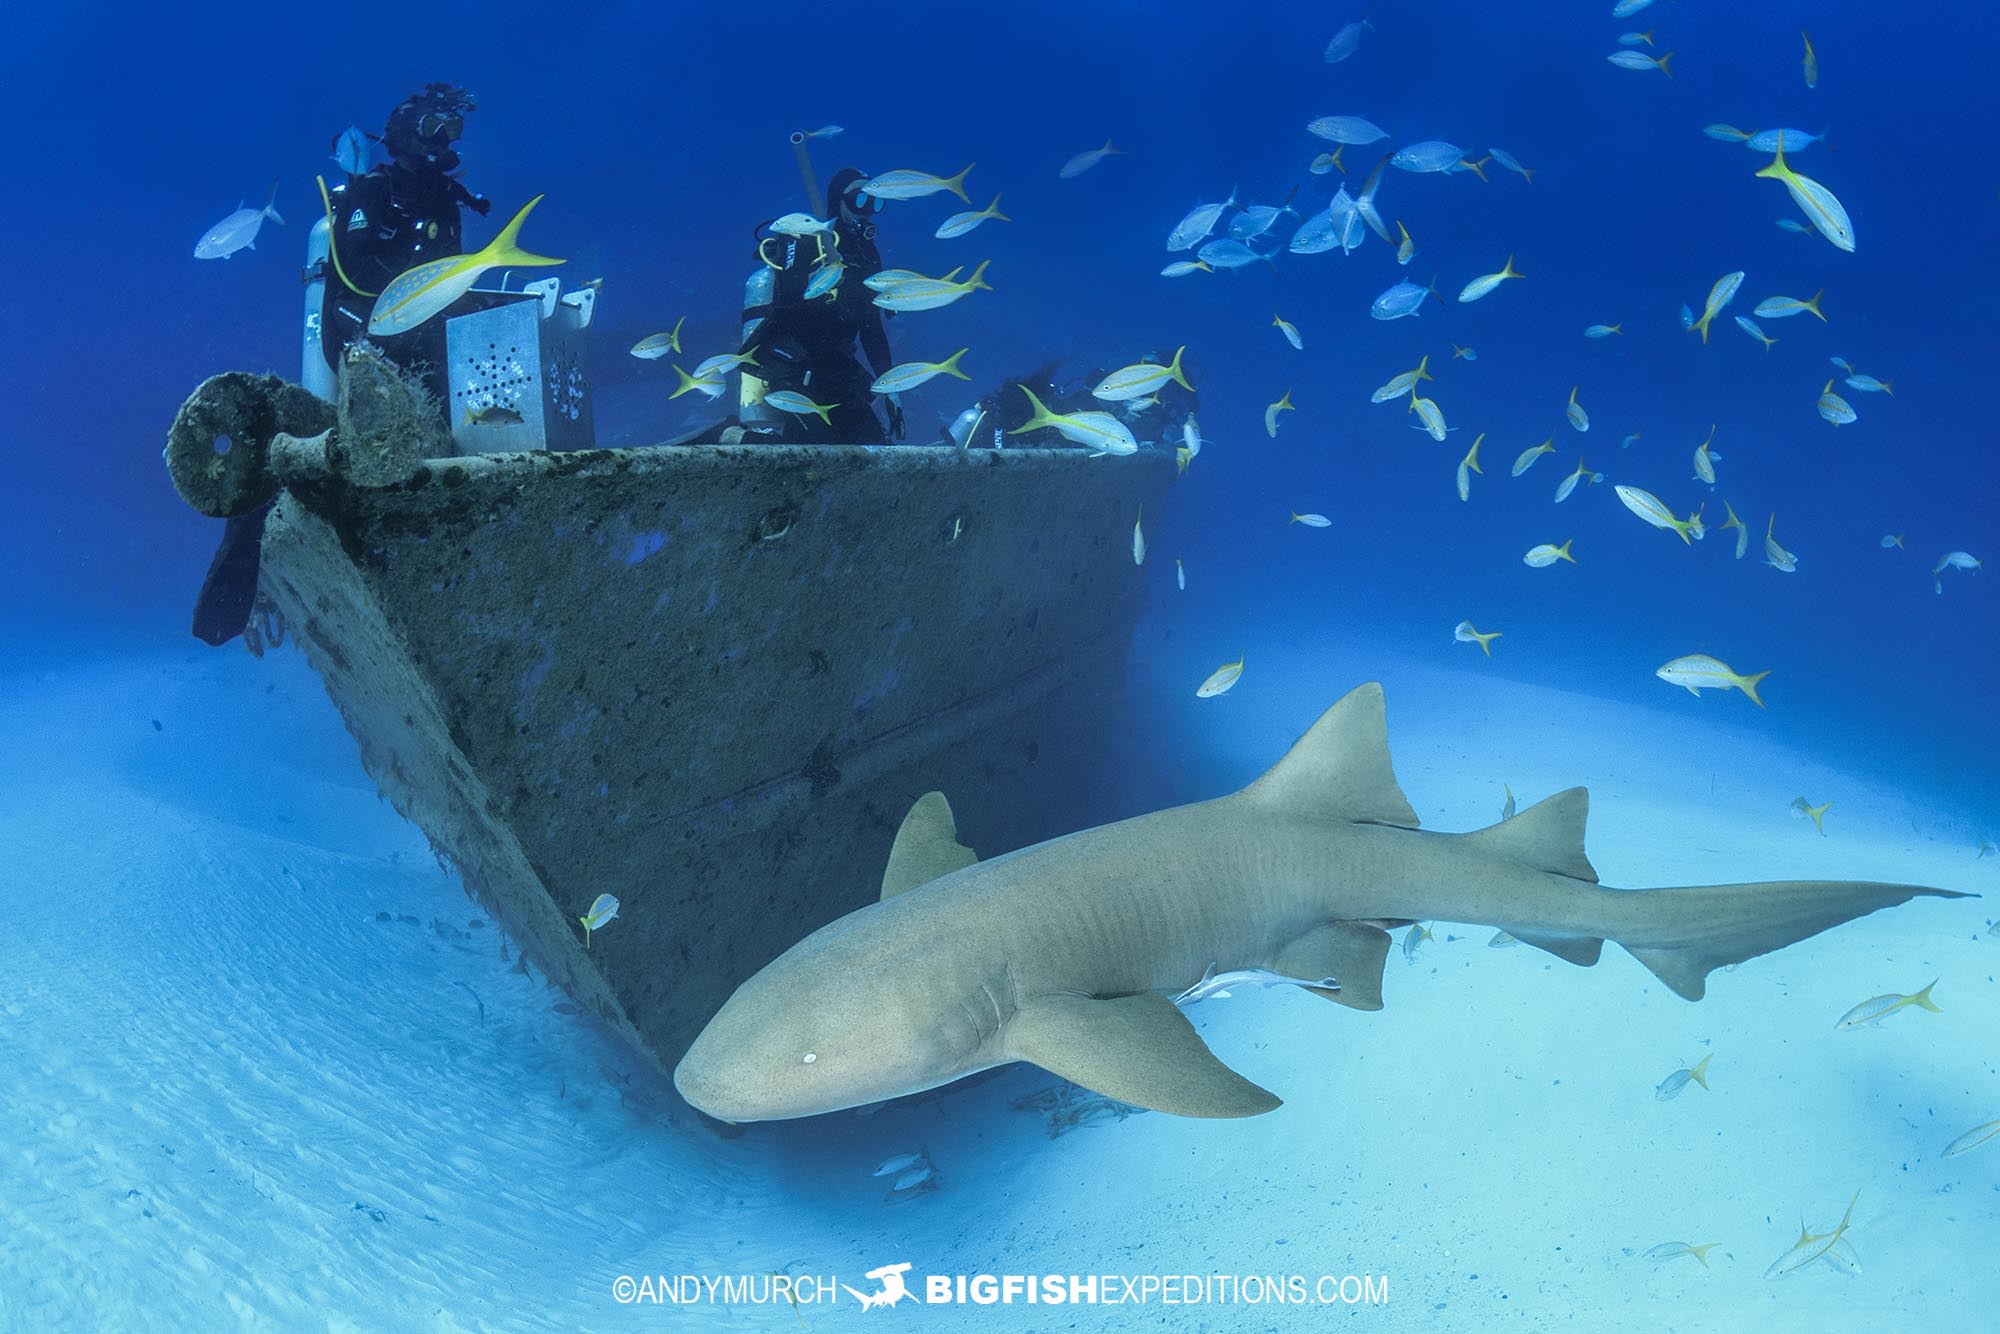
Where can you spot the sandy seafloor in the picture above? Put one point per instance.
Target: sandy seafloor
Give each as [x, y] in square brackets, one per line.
[234, 1094]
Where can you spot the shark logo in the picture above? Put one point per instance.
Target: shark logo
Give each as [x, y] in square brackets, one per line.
[893, 1288]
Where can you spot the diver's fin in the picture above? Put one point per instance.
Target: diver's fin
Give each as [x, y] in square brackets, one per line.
[926, 847]
[1712, 926]
[1351, 953]
[1547, 836]
[1139, 1049]
[1340, 769]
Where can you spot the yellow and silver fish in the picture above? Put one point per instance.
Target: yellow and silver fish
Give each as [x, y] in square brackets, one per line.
[416, 295]
[1404, 383]
[603, 910]
[493, 414]
[929, 293]
[1784, 307]
[1284, 404]
[1805, 810]
[1654, 511]
[1698, 672]
[1465, 633]
[1674, 1250]
[906, 184]
[1742, 529]
[1720, 295]
[792, 401]
[1548, 554]
[1220, 680]
[1484, 284]
[1671, 1086]
[1526, 459]
[1704, 461]
[708, 386]
[1817, 202]
[1835, 409]
[1469, 465]
[901, 379]
[1141, 379]
[654, 346]
[1575, 413]
[1569, 483]
[1877, 1008]
[1101, 431]
[1776, 556]
[958, 224]
[714, 368]
[1430, 414]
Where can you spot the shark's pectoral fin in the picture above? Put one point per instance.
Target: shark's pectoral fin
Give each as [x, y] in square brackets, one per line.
[1352, 953]
[1138, 1049]
[926, 847]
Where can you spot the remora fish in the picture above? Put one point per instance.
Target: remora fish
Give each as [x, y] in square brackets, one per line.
[1067, 954]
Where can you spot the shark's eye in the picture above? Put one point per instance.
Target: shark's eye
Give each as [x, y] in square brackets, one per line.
[811, 1056]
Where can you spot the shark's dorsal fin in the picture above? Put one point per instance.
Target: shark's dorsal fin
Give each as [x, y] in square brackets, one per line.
[1139, 1049]
[1340, 769]
[926, 847]
[1547, 836]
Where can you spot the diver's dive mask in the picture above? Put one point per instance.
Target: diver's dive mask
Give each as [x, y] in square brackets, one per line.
[855, 205]
[448, 126]
[424, 127]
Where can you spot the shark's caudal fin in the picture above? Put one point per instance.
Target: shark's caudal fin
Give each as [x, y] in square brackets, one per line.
[1681, 934]
[926, 847]
[1340, 768]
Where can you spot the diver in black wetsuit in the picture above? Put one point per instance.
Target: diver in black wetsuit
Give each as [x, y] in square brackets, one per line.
[809, 345]
[397, 216]
[394, 217]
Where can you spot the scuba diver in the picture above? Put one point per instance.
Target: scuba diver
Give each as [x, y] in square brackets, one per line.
[391, 219]
[383, 221]
[808, 345]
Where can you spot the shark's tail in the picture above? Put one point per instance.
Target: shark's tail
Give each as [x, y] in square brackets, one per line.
[1340, 770]
[1682, 934]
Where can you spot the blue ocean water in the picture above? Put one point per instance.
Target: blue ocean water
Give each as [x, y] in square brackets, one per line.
[658, 134]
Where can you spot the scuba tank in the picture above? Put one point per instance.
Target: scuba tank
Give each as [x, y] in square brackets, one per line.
[314, 373]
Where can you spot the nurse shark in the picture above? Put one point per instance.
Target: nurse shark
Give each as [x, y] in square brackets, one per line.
[1065, 954]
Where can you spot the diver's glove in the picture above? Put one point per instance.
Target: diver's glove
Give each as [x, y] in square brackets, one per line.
[481, 205]
[895, 422]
